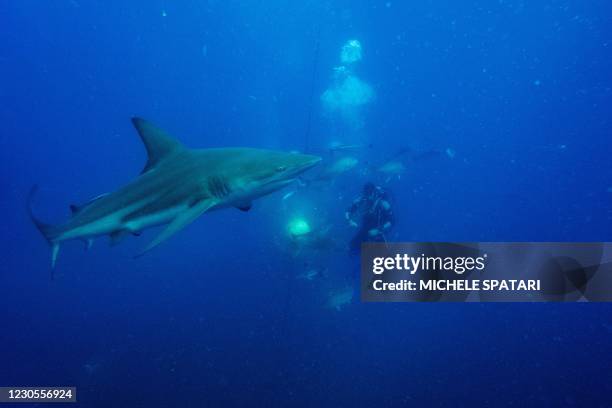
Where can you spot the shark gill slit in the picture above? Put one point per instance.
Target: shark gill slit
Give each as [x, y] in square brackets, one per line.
[218, 187]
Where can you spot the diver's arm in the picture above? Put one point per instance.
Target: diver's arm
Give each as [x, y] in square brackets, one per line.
[350, 220]
[351, 212]
[387, 215]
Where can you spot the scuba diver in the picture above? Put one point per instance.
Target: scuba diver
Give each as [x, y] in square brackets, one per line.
[371, 213]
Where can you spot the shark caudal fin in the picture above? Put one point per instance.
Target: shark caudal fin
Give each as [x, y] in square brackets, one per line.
[49, 232]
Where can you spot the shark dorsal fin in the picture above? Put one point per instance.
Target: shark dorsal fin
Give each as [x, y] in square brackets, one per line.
[157, 142]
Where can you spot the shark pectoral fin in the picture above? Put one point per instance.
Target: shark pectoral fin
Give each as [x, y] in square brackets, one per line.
[181, 220]
[245, 206]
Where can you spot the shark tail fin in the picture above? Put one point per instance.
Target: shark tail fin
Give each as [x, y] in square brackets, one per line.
[49, 232]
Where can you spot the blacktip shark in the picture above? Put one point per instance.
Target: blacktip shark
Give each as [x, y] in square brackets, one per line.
[176, 186]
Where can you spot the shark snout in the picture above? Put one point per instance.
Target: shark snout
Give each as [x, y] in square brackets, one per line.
[296, 164]
[308, 161]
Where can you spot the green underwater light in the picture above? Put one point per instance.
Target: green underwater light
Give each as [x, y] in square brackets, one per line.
[298, 226]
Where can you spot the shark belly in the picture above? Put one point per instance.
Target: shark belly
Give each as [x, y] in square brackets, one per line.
[123, 220]
[154, 219]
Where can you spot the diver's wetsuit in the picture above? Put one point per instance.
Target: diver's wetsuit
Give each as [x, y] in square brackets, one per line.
[374, 209]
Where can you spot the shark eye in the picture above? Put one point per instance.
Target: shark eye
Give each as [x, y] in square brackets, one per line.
[281, 168]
